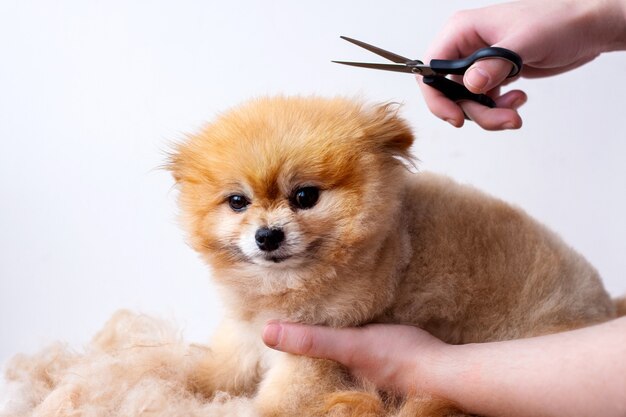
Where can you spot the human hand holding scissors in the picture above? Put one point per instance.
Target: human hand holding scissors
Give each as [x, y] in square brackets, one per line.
[434, 74]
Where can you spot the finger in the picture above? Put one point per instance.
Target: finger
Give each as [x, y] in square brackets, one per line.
[314, 341]
[441, 106]
[499, 118]
[513, 99]
[486, 74]
[459, 37]
[530, 71]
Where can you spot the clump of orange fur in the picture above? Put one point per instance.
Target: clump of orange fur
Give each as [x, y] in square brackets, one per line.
[135, 366]
[388, 246]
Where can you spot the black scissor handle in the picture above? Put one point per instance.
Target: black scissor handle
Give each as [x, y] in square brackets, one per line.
[459, 66]
[457, 92]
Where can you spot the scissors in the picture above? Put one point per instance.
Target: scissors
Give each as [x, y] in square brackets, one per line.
[435, 73]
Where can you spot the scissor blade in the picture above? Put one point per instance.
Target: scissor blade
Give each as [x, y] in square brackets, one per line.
[384, 67]
[385, 54]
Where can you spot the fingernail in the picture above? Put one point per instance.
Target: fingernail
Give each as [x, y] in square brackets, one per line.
[452, 122]
[508, 126]
[476, 78]
[518, 103]
[272, 333]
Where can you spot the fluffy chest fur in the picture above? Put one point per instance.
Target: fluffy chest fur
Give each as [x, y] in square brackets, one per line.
[337, 295]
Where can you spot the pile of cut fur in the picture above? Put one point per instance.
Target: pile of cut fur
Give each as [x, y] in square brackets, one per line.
[135, 366]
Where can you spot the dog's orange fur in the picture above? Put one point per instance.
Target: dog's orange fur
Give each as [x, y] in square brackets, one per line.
[381, 245]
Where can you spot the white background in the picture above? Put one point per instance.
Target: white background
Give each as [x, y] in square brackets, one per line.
[92, 93]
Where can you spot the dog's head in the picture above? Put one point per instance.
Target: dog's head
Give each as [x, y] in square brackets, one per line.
[287, 183]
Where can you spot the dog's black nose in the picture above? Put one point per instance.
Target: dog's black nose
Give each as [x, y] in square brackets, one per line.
[269, 239]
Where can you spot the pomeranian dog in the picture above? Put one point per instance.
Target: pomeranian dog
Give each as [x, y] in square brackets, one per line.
[305, 210]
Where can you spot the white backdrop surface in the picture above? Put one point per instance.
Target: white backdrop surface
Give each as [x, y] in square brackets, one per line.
[92, 92]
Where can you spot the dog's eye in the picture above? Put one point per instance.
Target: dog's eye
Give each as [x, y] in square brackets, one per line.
[305, 197]
[238, 202]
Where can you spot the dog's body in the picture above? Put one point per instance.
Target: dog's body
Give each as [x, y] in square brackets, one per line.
[306, 213]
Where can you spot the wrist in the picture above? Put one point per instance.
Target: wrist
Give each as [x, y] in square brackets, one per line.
[455, 373]
[620, 10]
[441, 369]
[609, 17]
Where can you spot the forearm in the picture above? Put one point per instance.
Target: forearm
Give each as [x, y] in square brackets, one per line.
[577, 373]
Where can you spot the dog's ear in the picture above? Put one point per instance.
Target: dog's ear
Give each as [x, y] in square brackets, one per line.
[174, 163]
[189, 162]
[180, 161]
[390, 133]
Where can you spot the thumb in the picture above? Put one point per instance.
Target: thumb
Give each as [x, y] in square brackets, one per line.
[314, 341]
[486, 74]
